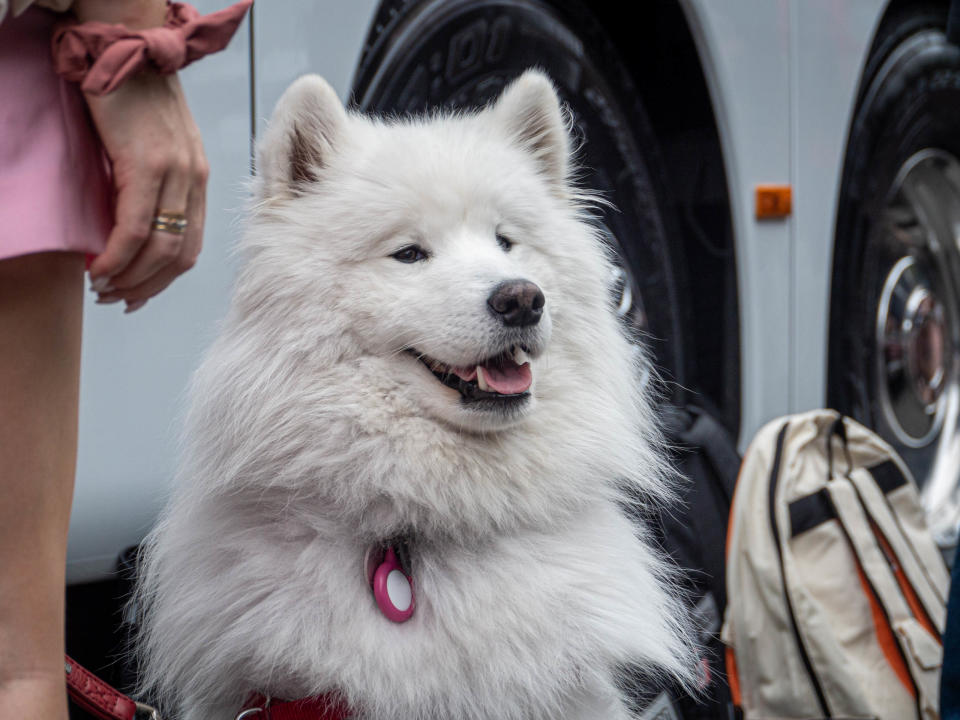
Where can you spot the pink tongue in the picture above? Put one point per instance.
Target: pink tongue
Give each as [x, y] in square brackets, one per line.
[508, 378]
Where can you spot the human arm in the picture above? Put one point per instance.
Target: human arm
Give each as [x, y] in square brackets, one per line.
[158, 163]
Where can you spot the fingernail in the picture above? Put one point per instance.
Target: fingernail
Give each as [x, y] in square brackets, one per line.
[135, 305]
[101, 285]
[108, 301]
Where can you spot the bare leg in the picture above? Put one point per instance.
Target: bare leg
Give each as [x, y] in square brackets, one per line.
[41, 300]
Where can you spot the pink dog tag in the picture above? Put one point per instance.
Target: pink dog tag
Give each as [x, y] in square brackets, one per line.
[393, 589]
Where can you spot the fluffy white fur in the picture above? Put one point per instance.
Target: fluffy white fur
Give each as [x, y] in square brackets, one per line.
[313, 434]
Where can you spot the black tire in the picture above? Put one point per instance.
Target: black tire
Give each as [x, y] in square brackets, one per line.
[908, 113]
[424, 54]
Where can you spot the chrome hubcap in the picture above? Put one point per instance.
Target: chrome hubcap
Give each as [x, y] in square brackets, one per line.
[911, 335]
[918, 331]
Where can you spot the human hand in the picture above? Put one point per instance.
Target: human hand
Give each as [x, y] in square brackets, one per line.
[158, 163]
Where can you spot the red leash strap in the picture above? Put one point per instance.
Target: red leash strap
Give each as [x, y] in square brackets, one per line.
[95, 696]
[107, 703]
[322, 707]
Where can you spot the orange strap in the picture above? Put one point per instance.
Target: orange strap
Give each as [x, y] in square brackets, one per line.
[733, 679]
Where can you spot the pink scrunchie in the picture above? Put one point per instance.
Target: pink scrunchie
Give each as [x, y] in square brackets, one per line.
[101, 56]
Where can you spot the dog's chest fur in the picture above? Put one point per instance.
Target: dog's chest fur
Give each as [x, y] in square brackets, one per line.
[515, 627]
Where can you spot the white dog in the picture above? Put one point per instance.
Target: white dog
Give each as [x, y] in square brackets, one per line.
[421, 364]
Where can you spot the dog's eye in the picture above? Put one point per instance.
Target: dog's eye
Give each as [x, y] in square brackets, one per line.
[504, 242]
[410, 254]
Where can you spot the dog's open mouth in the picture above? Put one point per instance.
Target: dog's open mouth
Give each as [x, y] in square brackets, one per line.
[504, 377]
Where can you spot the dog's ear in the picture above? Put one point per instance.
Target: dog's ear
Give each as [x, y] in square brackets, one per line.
[530, 111]
[306, 125]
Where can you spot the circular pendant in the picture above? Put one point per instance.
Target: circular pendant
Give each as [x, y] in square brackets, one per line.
[392, 589]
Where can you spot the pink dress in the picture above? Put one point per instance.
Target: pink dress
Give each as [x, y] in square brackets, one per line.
[55, 191]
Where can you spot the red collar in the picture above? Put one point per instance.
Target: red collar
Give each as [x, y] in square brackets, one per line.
[322, 707]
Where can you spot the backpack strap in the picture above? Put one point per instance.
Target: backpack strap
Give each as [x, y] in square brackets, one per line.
[912, 647]
[906, 507]
[922, 567]
[909, 548]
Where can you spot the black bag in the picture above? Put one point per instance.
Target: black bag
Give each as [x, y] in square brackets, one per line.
[694, 532]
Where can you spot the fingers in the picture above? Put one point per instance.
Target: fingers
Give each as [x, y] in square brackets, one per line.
[136, 201]
[159, 164]
[162, 247]
[147, 275]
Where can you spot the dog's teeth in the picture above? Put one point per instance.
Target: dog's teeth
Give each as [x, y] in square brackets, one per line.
[481, 380]
[519, 356]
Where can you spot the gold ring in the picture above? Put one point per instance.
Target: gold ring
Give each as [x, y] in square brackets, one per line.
[170, 221]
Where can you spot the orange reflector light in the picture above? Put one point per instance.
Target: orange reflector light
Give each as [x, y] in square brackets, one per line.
[773, 201]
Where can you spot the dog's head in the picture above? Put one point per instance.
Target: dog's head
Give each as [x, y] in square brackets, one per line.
[440, 251]
[424, 320]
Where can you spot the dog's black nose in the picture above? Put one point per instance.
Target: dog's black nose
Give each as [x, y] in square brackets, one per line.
[517, 303]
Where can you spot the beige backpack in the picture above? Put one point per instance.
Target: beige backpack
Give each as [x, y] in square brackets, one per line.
[836, 592]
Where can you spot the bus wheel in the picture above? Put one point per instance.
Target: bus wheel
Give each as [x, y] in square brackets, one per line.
[894, 358]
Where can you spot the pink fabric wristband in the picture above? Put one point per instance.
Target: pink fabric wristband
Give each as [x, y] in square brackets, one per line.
[101, 56]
